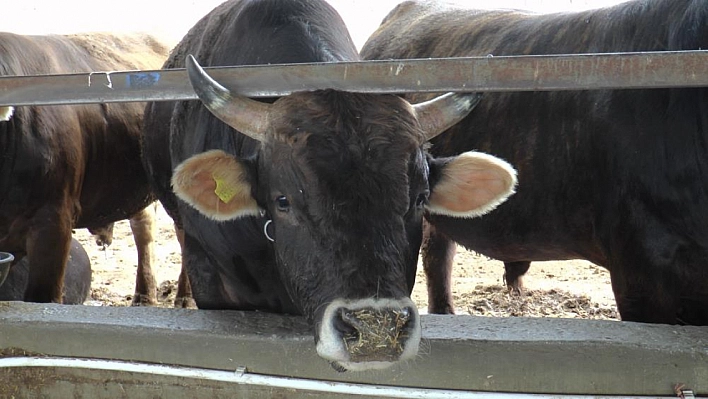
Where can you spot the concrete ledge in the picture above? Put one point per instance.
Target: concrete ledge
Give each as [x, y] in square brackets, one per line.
[514, 355]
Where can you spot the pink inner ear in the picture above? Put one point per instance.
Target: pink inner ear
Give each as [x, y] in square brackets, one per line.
[471, 190]
[195, 182]
[199, 187]
[201, 190]
[472, 185]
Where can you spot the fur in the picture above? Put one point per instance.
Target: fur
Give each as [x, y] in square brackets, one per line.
[617, 177]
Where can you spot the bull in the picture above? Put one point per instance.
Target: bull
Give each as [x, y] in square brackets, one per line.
[77, 166]
[616, 177]
[312, 203]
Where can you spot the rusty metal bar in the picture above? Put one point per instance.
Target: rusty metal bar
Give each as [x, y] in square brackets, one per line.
[517, 73]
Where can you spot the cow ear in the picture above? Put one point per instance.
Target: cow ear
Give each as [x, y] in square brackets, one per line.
[469, 185]
[216, 184]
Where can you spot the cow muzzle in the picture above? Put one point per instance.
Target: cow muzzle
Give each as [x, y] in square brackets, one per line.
[5, 263]
[369, 334]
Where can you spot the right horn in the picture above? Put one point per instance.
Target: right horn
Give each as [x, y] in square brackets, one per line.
[241, 113]
[442, 112]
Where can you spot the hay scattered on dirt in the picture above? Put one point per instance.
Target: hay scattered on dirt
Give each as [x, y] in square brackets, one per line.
[382, 329]
[103, 296]
[497, 301]
[166, 293]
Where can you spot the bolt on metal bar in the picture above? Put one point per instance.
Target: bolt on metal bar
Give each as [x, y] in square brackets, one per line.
[506, 73]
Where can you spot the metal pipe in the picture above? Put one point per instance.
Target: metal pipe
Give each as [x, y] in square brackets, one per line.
[507, 73]
[241, 376]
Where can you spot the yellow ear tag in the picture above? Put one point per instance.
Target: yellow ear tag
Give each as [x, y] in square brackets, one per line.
[223, 190]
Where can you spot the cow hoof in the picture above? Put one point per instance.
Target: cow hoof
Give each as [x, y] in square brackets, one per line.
[185, 303]
[143, 300]
[515, 290]
[515, 286]
[446, 308]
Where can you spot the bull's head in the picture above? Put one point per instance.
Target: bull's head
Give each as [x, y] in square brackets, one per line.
[346, 180]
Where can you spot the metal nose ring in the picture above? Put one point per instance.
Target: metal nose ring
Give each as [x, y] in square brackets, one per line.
[265, 230]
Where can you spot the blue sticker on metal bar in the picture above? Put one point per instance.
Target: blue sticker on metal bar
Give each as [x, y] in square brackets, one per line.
[142, 79]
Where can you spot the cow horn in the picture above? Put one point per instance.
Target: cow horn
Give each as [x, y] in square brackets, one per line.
[442, 112]
[241, 113]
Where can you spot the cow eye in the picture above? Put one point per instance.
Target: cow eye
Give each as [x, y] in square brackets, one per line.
[282, 203]
[422, 199]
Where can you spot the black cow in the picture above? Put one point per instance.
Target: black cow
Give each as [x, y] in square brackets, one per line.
[77, 278]
[617, 177]
[65, 167]
[311, 203]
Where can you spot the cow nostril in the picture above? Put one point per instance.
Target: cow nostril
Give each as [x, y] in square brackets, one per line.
[346, 323]
[404, 315]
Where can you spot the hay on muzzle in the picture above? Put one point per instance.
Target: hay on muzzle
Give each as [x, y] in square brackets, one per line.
[377, 334]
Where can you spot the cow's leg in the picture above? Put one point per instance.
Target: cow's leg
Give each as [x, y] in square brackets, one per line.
[658, 292]
[650, 265]
[184, 297]
[48, 242]
[142, 225]
[694, 309]
[438, 252]
[207, 287]
[647, 273]
[643, 299]
[513, 276]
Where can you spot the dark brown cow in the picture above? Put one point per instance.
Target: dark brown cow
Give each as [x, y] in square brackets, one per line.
[617, 177]
[66, 167]
[311, 203]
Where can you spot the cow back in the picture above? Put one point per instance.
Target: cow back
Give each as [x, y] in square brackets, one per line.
[429, 27]
[116, 129]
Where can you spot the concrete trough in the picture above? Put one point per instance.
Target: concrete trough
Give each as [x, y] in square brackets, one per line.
[58, 351]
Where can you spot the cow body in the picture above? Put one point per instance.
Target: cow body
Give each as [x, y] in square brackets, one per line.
[77, 278]
[617, 177]
[66, 167]
[311, 203]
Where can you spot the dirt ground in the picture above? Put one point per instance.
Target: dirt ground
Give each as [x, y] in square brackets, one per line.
[569, 289]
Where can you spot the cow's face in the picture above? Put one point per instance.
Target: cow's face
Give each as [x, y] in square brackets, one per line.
[345, 180]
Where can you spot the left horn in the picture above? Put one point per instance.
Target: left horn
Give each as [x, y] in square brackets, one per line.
[442, 112]
[241, 113]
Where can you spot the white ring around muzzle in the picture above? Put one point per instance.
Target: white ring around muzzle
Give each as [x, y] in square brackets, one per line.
[331, 346]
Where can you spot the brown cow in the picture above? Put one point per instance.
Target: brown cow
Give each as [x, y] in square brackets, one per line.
[77, 166]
